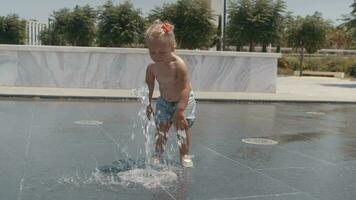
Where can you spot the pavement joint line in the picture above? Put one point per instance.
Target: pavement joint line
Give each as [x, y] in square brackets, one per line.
[21, 186]
[106, 133]
[284, 168]
[28, 143]
[258, 172]
[259, 196]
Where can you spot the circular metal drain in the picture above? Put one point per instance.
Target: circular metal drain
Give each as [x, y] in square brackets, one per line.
[259, 141]
[88, 122]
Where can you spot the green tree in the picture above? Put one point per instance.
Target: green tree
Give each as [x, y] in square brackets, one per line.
[80, 29]
[272, 26]
[57, 28]
[350, 22]
[192, 20]
[76, 28]
[255, 22]
[235, 29]
[167, 12]
[120, 25]
[277, 27]
[12, 30]
[288, 23]
[309, 32]
[339, 38]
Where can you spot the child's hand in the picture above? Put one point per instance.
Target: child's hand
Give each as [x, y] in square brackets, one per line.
[179, 120]
[149, 112]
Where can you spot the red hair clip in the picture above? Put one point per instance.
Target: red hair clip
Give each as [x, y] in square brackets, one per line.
[166, 27]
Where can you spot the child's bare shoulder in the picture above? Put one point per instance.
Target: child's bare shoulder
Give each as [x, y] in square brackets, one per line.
[179, 62]
[151, 66]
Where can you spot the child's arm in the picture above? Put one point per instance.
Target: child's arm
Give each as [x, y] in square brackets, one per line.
[179, 118]
[150, 81]
[182, 72]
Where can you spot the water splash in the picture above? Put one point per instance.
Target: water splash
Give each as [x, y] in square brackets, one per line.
[148, 126]
[151, 176]
[148, 178]
[142, 94]
[128, 173]
[132, 172]
[95, 178]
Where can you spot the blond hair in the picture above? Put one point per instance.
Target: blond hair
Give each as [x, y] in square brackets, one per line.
[158, 31]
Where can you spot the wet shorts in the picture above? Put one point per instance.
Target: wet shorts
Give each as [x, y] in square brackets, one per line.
[165, 110]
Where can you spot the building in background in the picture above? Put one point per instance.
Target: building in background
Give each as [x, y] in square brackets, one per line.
[33, 30]
[217, 8]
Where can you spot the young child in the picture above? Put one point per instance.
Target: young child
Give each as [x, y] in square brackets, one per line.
[176, 104]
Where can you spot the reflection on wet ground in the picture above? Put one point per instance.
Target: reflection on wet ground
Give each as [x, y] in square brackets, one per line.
[299, 137]
[45, 154]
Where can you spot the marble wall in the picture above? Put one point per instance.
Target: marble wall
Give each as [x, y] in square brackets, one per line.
[114, 68]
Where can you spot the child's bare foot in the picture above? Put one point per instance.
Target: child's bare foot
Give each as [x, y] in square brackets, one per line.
[187, 161]
[156, 160]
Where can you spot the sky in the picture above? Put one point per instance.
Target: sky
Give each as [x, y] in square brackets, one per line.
[41, 9]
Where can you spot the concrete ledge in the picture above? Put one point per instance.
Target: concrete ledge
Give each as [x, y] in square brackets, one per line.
[124, 68]
[319, 73]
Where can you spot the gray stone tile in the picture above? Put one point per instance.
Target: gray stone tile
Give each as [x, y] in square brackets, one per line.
[285, 196]
[217, 177]
[327, 183]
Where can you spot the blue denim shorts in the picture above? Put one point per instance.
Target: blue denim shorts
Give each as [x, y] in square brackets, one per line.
[165, 110]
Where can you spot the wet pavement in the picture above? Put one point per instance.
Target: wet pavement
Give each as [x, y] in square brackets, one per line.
[45, 153]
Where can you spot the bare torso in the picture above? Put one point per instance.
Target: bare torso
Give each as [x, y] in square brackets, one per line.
[166, 75]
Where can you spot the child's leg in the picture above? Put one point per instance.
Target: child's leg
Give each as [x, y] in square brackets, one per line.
[184, 147]
[185, 142]
[161, 138]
